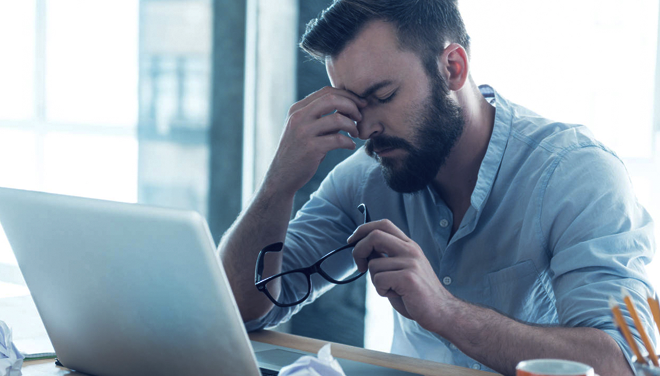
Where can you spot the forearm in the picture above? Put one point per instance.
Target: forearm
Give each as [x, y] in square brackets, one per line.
[263, 222]
[500, 342]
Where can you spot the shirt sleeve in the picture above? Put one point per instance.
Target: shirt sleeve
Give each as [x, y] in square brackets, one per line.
[323, 224]
[599, 239]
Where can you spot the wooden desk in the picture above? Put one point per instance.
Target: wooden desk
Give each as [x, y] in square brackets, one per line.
[47, 367]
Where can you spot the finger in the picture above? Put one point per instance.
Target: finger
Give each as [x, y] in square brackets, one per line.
[332, 102]
[309, 99]
[334, 141]
[384, 225]
[386, 264]
[326, 111]
[334, 123]
[361, 102]
[381, 243]
[375, 244]
[387, 283]
[324, 91]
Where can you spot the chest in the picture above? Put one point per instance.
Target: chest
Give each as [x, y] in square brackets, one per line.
[492, 258]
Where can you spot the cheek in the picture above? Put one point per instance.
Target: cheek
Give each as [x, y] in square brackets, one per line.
[406, 111]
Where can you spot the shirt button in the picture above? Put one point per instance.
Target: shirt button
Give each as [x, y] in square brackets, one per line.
[447, 280]
[444, 223]
[476, 366]
[452, 346]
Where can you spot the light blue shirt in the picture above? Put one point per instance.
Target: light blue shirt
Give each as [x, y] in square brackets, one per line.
[554, 229]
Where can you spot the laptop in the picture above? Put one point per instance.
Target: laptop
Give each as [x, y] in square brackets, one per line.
[128, 289]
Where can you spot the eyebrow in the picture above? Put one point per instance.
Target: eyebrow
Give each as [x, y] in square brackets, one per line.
[373, 88]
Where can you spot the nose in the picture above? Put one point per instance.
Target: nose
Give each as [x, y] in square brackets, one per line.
[369, 126]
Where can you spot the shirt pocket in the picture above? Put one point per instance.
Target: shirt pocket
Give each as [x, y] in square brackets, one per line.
[517, 292]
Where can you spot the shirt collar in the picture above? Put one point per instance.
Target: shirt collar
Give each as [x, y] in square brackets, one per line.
[496, 146]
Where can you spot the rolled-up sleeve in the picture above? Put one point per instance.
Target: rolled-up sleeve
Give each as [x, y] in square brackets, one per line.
[599, 239]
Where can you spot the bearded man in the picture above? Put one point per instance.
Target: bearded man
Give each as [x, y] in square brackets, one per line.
[496, 234]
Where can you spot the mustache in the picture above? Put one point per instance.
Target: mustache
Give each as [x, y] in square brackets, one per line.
[385, 142]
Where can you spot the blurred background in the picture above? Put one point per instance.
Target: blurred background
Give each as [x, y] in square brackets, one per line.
[180, 103]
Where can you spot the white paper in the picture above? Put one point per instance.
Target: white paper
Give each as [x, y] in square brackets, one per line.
[323, 365]
[11, 360]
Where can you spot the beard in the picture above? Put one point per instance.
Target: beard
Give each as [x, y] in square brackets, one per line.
[437, 124]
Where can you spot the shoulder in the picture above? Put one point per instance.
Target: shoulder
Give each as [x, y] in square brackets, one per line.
[565, 152]
[562, 155]
[588, 193]
[551, 136]
[574, 177]
[535, 139]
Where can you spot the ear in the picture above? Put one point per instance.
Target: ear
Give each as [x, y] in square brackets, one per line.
[454, 65]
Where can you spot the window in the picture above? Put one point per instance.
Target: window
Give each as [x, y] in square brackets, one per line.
[589, 62]
[102, 99]
[68, 112]
[69, 102]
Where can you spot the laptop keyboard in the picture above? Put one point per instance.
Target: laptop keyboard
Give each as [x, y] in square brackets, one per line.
[267, 372]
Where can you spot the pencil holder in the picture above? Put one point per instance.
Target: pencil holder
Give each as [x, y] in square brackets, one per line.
[645, 369]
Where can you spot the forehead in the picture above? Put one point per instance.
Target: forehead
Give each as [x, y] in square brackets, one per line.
[372, 56]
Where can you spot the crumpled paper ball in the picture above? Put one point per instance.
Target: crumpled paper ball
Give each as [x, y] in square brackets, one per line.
[323, 365]
[11, 360]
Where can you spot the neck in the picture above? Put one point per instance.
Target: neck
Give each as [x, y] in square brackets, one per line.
[458, 176]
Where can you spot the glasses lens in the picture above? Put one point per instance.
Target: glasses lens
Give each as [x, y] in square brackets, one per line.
[297, 281]
[341, 265]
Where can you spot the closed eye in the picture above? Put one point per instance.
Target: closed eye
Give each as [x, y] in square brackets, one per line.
[386, 99]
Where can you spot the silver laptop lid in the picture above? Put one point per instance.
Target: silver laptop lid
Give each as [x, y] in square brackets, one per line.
[126, 289]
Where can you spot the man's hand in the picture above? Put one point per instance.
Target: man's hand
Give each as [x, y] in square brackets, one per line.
[312, 129]
[401, 272]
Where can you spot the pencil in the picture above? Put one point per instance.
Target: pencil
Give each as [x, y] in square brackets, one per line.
[621, 323]
[639, 326]
[655, 310]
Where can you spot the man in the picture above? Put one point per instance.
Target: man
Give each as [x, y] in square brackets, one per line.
[497, 235]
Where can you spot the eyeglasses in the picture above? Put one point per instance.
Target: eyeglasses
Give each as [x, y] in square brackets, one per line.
[337, 267]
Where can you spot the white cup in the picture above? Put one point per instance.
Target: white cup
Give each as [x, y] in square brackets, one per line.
[553, 367]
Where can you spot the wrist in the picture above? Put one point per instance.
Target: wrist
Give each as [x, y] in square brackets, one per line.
[275, 188]
[461, 322]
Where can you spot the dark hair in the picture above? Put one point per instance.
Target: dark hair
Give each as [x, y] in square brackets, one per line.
[423, 26]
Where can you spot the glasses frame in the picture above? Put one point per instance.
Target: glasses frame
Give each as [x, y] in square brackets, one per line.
[307, 271]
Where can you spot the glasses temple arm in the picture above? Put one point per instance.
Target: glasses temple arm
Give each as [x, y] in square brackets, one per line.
[259, 269]
[363, 209]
